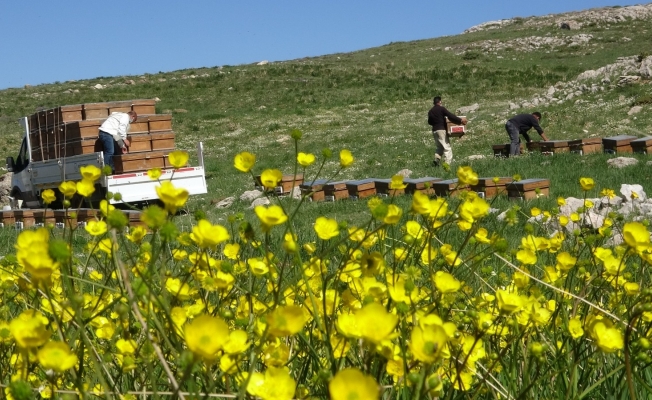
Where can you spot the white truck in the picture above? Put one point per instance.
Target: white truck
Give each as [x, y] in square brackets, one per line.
[30, 178]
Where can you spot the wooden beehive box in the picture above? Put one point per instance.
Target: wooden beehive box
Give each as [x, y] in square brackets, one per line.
[134, 217]
[382, 188]
[82, 129]
[528, 189]
[455, 130]
[119, 106]
[554, 146]
[7, 218]
[642, 145]
[144, 106]
[160, 122]
[618, 144]
[449, 187]
[586, 145]
[140, 142]
[314, 190]
[69, 113]
[360, 189]
[66, 217]
[87, 214]
[44, 216]
[96, 111]
[335, 191]
[135, 162]
[423, 185]
[533, 146]
[83, 146]
[288, 182]
[26, 216]
[140, 125]
[491, 189]
[502, 150]
[162, 140]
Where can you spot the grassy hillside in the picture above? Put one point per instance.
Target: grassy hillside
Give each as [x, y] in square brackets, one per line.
[375, 101]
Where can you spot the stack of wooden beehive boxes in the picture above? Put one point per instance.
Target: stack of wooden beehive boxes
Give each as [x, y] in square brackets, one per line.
[73, 130]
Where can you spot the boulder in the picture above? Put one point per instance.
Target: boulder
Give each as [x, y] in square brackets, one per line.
[646, 67]
[467, 109]
[251, 195]
[261, 201]
[405, 173]
[225, 203]
[621, 162]
[626, 190]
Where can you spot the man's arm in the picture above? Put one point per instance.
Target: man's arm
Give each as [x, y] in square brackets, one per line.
[543, 136]
[454, 118]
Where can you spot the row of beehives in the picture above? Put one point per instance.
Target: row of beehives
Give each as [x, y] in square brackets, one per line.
[24, 218]
[323, 190]
[613, 145]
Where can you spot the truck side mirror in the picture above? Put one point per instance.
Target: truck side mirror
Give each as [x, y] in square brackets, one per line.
[10, 164]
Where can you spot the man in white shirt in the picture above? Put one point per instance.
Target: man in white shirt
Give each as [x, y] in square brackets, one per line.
[113, 135]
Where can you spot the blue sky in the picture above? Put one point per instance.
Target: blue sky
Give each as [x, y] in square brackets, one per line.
[49, 41]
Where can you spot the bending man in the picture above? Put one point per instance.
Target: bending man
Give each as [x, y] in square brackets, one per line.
[519, 125]
[113, 135]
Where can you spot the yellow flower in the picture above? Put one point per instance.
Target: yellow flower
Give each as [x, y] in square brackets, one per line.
[326, 228]
[29, 329]
[561, 201]
[154, 173]
[237, 343]
[48, 196]
[90, 172]
[286, 321]
[508, 302]
[445, 282]
[231, 251]
[270, 216]
[276, 384]
[397, 183]
[586, 183]
[171, 196]
[346, 158]
[207, 235]
[428, 342]
[351, 383]
[575, 328]
[136, 234]
[106, 207]
[258, 266]
[394, 214]
[126, 346]
[305, 159]
[636, 235]
[563, 220]
[68, 188]
[482, 236]
[270, 178]
[178, 158]
[467, 176]
[565, 261]
[534, 211]
[56, 356]
[178, 289]
[206, 335]
[96, 228]
[32, 252]
[244, 161]
[422, 204]
[608, 338]
[85, 187]
[375, 323]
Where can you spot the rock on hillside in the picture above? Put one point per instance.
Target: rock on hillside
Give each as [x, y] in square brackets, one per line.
[576, 19]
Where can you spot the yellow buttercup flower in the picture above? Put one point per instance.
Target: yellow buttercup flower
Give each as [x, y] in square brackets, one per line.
[270, 178]
[179, 289]
[85, 187]
[305, 159]
[565, 261]
[286, 321]
[244, 161]
[467, 176]
[29, 329]
[526, 257]
[375, 324]
[351, 383]
[206, 235]
[608, 338]
[178, 158]
[48, 196]
[206, 335]
[136, 234]
[270, 216]
[575, 328]
[534, 211]
[508, 302]
[238, 342]
[231, 251]
[154, 173]
[56, 356]
[636, 235]
[586, 184]
[90, 172]
[346, 158]
[96, 228]
[445, 282]
[171, 196]
[32, 252]
[397, 183]
[326, 228]
[106, 207]
[275, 384]
[394, 214]
[126, 346]
[428, 342]
[561, 201]
[68, 188]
